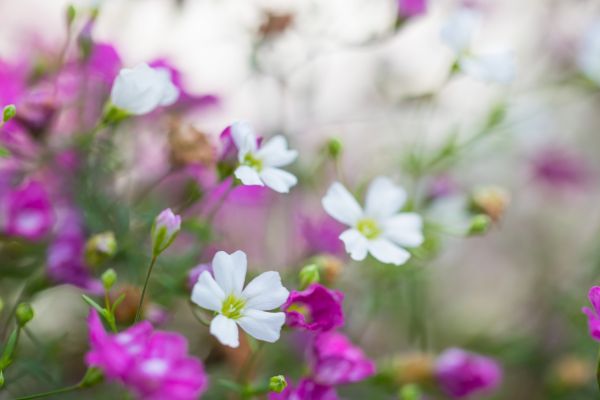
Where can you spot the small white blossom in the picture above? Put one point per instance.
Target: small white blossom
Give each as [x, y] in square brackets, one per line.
[142, 89]
[379, 229]
[589, 53]
[260, 166]
[496, 66]
[235, 305]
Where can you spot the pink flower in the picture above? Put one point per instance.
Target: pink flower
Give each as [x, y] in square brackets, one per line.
[307, 389]
[195, 273]
[153, 364]
[29, 212]
[335, 360]
[559, 169]
[322, 235]
[593, 315]
[316, 308]
[460, 373]
[412, 8]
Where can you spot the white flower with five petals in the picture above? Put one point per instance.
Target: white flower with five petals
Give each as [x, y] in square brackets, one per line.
[379, 229]
[235, 305]
[260, 166]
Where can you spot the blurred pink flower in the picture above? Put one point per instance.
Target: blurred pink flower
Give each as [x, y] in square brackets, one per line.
[195, 273]
[335, 360]
[593, 315]
[316, 308]
[558, 168]
[153, 364]
[29, 212]
[461, 373]
[307, 389]
[412, 8]
[322, 235]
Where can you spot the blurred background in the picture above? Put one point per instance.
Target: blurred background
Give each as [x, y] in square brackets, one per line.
[382, 83]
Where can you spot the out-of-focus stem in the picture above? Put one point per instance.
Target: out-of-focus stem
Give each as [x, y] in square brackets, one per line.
[139, 310]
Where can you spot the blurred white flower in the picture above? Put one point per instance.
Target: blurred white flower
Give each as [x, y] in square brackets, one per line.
[491, 66]
[260, 166]
[225, 295]
[379, 229]
[142, 89]
[589, 53]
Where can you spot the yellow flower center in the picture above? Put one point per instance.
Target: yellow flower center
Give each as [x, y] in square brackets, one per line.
[253, 162]
[368, 228]
[302, 309]
[233, 307]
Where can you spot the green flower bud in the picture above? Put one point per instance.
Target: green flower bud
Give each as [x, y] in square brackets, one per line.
[334, 147]
[480, 224]
[9, 112]
[92, 377]
[24, 314]
[109, 277]
[71, 13]
[100, 248]
[410, 392]
[309, 274]
[277, 383]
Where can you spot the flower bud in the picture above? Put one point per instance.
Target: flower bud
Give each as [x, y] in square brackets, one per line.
[571, 372]
[490, 200]
[109, 277]
[308, 275]
[24, 314]
[100, 248]
[330, 268]
[9, 113]
[92, 377]
[125, 312]
[71, 14]
[165, 229]
[415, 368]
[277, 384]
[410, 392]
[480, 224]
[334, 147]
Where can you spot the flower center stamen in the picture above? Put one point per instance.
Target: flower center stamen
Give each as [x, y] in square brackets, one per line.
[368, 228]
[302, 309]
[253, 162]
[233, 307]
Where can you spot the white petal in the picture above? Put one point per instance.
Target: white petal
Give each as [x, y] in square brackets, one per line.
[248, 176]
[262, 325]
[244, 138]
[265, 292]
[207, 293]
[225, 330]
[341, 205]
[277, 179]
[384, 198]
[497, 67]
[356, 244]
[387, 252]
[170, 92]
[588, 58]
[460, 28]
[230, 271]
[275, 153]
[405, 229]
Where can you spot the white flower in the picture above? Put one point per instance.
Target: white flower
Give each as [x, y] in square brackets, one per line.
[379, 229]
[260, 166]
[225, 295]
[496, 66]
[141, 89]
[589, 53]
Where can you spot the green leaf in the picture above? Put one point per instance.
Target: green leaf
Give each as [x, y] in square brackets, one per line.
[9, 349]
[118, 301]
[92, 303]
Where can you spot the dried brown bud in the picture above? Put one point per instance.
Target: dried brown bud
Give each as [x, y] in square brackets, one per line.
[491, 200]
[572, 372]
[275, 24]
[413, 368]
[190, 146]
[125, 312]
[330, 268]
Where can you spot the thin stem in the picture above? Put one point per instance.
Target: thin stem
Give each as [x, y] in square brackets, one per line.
[50, 393]
[598, 372]
[139, 310]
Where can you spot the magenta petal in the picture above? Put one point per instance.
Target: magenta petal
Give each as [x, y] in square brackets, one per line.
[316, 308]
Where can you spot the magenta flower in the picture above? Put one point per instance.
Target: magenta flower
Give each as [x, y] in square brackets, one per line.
[335, 360]
[322, 235]
[316, 308]
[593, 315]
[29, 212]
[152, 364]
[412, 8]
[557, 168]
[307, 389]
[460, 373]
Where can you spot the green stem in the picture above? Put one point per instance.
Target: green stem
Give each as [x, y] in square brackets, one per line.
[139, 310]
[50, 393]
[598, 371]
